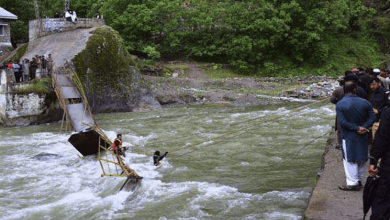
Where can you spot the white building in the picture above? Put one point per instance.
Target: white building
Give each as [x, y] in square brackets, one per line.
[5, 29]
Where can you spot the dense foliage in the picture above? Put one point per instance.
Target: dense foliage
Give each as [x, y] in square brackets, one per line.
[250, 35]
[103, 54]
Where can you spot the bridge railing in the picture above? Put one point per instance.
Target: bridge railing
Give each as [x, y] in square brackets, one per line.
[47, 26]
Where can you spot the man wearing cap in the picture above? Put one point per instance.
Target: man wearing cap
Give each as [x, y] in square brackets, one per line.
[378, 101]
[376, 72]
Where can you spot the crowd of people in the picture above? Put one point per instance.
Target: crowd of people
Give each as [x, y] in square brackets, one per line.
[26, 70]
[362, 122]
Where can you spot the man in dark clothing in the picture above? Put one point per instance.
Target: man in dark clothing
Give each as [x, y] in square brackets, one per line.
[364, 81]
[337, 95]
[16, 68]
[381, 150]
[360, 91]
[43, 71]
[355, 117]
[157, 158]
[379, 99]
[49, 64]
[33, 68]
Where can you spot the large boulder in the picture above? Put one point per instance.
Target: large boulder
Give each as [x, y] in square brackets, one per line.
[111, 81]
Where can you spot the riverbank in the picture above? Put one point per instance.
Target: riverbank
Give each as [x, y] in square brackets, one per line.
[198, 83]
[327, 201]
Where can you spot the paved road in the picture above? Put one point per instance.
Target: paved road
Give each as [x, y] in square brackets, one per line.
[63, 46]
[328, 202]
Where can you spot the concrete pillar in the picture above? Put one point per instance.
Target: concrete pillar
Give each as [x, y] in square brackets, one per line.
[3, 94]
[38, 73]
[3, 81]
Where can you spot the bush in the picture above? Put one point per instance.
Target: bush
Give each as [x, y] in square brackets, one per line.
[151, 52]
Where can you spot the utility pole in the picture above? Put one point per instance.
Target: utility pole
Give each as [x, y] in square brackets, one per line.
[67, 5]
[36, 7]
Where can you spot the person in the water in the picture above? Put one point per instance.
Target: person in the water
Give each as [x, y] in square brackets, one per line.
[117, 146]
[157, 157]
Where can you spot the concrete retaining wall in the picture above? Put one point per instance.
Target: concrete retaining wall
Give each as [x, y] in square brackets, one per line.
[48, 26]
[18, 108]
[22, 105]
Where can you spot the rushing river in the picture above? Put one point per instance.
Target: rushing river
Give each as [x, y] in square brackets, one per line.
[225, 163]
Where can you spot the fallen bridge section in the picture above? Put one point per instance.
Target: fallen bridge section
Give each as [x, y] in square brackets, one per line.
[73, 103]
[89, 139]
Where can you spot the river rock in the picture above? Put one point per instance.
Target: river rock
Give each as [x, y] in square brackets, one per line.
[175, 74]
[316, 90]
[117, 87]
[45, 156]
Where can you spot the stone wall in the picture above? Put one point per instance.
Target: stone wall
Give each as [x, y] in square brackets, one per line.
[25, 108]
[22, 105]
[48, 26]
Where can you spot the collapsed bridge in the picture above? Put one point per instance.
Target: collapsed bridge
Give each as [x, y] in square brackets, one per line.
[88, 138]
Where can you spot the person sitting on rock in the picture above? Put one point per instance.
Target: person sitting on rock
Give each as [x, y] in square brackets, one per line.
[157, 157]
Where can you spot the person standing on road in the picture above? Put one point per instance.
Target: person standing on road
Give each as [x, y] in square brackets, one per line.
[49, 64]
[337, 95]
[350, 77]
[381, 205]
[33, 68]
[26, 68]
[379, 100]
[16, 69]
[355, 117]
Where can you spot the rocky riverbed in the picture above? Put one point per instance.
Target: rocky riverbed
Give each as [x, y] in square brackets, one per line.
[195, 87]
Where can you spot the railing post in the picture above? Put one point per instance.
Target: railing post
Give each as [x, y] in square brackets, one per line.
[3, 81]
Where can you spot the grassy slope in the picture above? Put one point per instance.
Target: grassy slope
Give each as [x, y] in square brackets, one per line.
[345, 52]
[42, 86]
